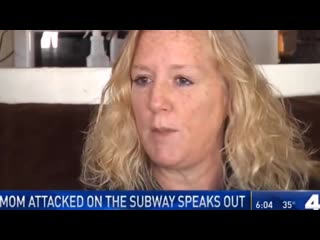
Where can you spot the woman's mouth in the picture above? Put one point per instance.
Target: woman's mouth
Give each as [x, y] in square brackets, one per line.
[163, 131]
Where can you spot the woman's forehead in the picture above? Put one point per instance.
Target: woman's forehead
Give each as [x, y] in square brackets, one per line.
[173, 35]
[173, 42]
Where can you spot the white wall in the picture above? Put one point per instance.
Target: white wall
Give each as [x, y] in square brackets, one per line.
[84, 85]
[52, 85]
[294, 79]
[6, 48]
[263, 45]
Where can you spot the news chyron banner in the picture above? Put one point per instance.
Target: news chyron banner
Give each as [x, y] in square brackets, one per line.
[159, 200]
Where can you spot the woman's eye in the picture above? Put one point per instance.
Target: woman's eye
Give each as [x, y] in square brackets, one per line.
[142, 81]
[181, 81]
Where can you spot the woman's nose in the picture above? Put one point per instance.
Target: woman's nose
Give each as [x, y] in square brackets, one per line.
[159, 98]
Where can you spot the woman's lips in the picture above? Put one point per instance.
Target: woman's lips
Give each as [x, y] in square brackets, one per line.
[163, 131]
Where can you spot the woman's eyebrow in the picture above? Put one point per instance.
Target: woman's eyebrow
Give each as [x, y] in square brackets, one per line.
[141, 67]
[185, 66]
[172, 67]
[180, 66]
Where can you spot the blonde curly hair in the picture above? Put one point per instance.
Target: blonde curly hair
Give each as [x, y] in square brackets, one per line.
[263, 145]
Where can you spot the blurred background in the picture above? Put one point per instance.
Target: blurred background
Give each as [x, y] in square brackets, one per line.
[70, 48]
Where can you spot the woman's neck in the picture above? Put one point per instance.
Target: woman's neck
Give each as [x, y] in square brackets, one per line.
[207, 175]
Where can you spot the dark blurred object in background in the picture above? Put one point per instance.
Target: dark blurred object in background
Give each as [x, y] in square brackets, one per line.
[299, 46]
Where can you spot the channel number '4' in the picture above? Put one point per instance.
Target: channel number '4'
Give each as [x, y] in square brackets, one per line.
[313, 202]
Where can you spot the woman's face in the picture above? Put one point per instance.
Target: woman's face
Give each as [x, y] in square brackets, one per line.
[179, 98]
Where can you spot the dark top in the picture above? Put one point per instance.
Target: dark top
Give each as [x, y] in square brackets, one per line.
[314, 184]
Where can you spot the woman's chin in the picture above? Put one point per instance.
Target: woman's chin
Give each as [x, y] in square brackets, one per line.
[166, 160]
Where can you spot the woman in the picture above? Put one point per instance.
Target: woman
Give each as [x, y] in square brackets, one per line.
[188, 110]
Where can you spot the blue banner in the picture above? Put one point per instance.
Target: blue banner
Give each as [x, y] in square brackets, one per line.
[125, 200]
[159, 200]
